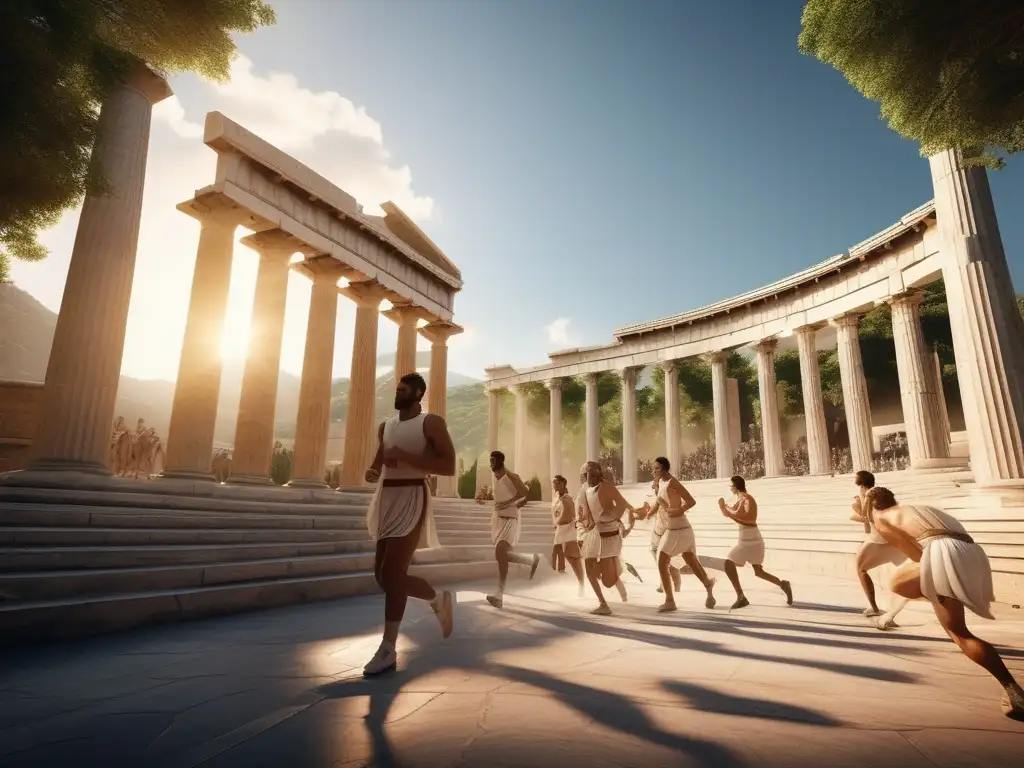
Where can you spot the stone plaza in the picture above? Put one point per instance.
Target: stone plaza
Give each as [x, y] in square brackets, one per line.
[85, 553]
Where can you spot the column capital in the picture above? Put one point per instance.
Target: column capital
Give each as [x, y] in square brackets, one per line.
[147, 82]
[849, 320]
[767, 345]
[273, 244]
[365, 293]
[406, 314]
[321, 268]
[718, 357]
[590, 378]
[808, 330]
[439, 331]
[906, 299]
[554, 384]
[667, 365]
[627, 375]
[215, 210]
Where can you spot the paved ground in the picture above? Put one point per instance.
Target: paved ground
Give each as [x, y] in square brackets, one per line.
[542, 683]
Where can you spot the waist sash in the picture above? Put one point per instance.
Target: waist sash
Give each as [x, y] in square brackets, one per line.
[403, 482]
[942, 533]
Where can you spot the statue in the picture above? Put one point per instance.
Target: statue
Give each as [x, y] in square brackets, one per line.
[135, 455]
[120, 448]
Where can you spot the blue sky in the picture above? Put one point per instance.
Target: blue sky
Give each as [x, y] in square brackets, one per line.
[602, 162]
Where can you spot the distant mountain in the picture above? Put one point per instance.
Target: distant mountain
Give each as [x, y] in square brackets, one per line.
[386, 362]
[26, 335]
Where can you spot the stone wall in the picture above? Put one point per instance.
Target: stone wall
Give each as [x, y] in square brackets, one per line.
[19, 414]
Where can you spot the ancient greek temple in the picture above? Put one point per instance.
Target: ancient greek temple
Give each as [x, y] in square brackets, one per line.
[954, 238]
[299, 221]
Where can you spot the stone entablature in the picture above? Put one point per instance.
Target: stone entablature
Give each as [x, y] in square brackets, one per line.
[280, 192]
[901, 257]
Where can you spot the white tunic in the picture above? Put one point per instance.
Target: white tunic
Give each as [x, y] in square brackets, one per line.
[567, 531]
[596, 545]
[676, 532]
[402, 497]
[504, 524]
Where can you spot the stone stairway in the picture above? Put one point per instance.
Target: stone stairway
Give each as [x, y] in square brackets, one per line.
[76, 562]
[806, 526]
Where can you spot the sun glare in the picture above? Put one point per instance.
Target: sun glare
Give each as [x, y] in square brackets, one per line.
[238, 320]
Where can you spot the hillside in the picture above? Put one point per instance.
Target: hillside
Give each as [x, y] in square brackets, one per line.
[26, 334]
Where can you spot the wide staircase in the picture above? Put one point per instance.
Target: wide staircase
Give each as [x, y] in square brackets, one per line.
[76, 561]
[806, 522]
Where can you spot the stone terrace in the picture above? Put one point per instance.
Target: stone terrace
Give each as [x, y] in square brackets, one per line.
[541, 683]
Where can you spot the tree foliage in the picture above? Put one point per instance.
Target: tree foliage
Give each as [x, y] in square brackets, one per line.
[58, 60]
[947, 74]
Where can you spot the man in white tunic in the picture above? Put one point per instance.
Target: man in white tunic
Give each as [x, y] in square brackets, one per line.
[603, 508]
[410, 445]
[563, 517]
[510, 495]
[671, 504]
[946, 567]
[750, 547]
[873, 553]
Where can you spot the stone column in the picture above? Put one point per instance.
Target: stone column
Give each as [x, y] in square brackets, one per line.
[314, 417]
[921, 417]
[988, 334]
[855, 391]
[628, 378]
[518, 461]
[593, 419]
[771, 433]
[814, 405]
[555, 425]
[732, 387]
[406, 317]
[483, 472]
[720, 394]
[85, 359]
[673, 451]
[941, 393]
[197, 391]
[360, 421]
[254, 434]
[438, 333]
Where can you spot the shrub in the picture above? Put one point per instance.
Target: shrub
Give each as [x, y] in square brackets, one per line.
[467, 483]
[533, 486]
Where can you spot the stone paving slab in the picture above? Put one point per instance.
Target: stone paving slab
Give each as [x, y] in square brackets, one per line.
[539, 683]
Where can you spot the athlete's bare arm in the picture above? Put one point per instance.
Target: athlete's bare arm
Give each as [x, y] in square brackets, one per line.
[685, 499]
[743, 511]
[613, 500]
[373, 472]
[858, 515]
[899, 538]
[567, 511]
[522, 492]
[439, 460]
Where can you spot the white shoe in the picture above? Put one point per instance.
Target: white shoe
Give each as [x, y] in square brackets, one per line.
[385, 660]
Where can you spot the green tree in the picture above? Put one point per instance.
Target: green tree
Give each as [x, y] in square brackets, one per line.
[947, 74]
[58, 61]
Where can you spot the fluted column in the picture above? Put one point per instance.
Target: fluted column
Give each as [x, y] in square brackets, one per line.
[360, 421]
[673, 451]
[493, 418]
[941, 393]
[254, 433]
[593, 418]
[197, 391]
[855, 391]
[406, 317]
[921, 417]
[521, 425]
[438, 333]
[814, 405]
[85, 359]
[771, 433]
[720, 395]
[555, 425]
[314, 417]
[988, 334]
[628, 378]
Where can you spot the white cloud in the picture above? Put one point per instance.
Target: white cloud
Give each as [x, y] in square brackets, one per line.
[558, 331]
[172, 113]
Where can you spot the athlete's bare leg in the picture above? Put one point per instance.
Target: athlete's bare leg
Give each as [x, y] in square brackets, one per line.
[734, 577]
[504, 555]
[761, 573]
[691, 559]
[572, 554]
[593, 576]
[666, 583]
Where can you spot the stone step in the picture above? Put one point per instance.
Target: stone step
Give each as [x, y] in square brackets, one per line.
[343, 505]
[24, 558]
[38, 515]
[77, 616]
[54, 536]
[52, 585]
